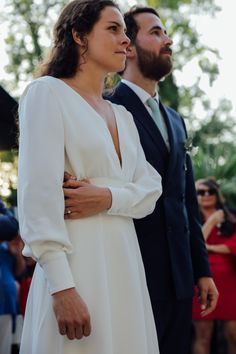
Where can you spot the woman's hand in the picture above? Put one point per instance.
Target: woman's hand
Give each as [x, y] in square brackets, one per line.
[71, 314]
[208, 295]
[214, 219]
[217, 217]
[83, 199]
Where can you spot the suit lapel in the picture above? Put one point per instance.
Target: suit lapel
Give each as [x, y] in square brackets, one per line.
[134, 105]
[172, 140]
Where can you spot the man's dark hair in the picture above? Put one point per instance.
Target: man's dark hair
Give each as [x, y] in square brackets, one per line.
[131, 24]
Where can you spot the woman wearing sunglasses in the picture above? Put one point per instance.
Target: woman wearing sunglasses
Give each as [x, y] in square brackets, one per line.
[219, 230]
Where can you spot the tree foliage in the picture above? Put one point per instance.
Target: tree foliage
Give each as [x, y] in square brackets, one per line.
[216, 157]
[29, 30]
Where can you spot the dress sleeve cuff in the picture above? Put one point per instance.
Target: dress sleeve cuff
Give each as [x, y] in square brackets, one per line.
[57, 271]
[119, 202]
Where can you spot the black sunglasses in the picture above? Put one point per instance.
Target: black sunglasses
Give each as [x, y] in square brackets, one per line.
[203, 192]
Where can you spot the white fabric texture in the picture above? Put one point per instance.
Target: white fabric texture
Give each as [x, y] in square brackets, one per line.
[98, 255]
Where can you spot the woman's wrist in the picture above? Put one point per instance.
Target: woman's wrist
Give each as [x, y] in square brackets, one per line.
[63, 292]
[108, 198]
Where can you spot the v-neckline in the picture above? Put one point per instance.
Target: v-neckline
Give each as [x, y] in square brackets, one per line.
[119, 158]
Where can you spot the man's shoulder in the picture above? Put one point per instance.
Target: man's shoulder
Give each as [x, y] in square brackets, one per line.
[174, 115]
[171, 111]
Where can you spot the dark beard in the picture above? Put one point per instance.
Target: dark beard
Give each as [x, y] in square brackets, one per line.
[152, 66]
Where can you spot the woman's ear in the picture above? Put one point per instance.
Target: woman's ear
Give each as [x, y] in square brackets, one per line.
[77, 38]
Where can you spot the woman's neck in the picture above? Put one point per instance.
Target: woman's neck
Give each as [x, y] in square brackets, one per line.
[88, 82]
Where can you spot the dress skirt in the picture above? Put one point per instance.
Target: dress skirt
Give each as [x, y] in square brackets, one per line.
[107, 268]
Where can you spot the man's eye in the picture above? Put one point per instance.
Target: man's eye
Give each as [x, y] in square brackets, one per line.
[156, 33]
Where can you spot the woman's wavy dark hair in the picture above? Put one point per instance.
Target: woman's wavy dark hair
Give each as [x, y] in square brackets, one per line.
[228, 227]
[78, 16]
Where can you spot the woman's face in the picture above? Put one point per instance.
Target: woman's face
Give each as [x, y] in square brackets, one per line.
[107, 42]
[206, 196]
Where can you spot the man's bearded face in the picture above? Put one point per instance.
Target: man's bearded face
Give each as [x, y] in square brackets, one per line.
[154, 66]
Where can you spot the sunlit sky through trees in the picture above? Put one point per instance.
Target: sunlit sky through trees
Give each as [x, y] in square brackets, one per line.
[215, 32]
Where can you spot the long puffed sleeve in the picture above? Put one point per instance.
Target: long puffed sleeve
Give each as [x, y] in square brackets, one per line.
[137, 198]
[40, 193]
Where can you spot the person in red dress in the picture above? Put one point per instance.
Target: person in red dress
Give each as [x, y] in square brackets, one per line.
[219, 230]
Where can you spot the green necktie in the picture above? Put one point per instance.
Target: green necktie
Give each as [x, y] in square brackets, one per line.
[156, 115]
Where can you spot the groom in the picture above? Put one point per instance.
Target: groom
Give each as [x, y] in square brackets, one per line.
[171, 242]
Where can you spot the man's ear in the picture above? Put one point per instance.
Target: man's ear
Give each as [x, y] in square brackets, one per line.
[77, 38]
[130, 51]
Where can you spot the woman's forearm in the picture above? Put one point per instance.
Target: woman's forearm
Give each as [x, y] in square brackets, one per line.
[207, 228]
[223, 249]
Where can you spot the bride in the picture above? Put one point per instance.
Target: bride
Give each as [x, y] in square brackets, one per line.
[89, 293]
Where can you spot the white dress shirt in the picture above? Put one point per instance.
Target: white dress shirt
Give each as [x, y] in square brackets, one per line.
[144, 96]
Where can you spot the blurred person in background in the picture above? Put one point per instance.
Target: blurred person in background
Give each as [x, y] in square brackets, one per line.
[25, 282]
[8, 224]
[12, 264]
[219, 230]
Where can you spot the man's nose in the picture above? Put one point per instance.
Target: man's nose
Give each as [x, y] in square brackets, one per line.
[168, 40]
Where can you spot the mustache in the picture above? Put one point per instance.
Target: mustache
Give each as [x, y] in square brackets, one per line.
[166, 50]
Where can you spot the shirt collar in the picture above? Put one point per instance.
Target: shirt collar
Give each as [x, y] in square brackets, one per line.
[141, 93]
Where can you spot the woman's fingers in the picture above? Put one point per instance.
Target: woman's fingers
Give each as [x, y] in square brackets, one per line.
[87, 329]
[72, 314]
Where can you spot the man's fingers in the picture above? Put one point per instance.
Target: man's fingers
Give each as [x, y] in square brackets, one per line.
[68, 176]
[74, 183]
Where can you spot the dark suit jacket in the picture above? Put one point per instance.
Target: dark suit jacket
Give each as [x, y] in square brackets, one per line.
[170, 239]
[8, 224]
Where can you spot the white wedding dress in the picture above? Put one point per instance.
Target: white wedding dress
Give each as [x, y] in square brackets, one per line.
[98, 255]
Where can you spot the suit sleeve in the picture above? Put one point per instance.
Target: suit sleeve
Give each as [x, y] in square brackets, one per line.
[137, 198]
[198, 248]
[40, 193]
[8, 224]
